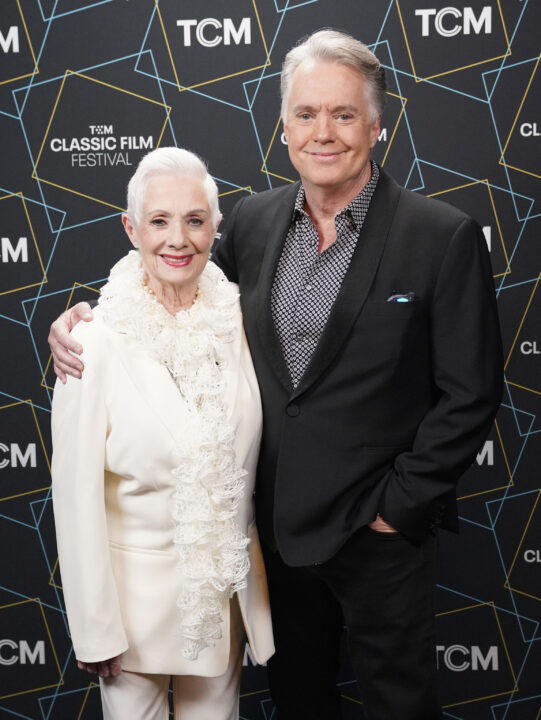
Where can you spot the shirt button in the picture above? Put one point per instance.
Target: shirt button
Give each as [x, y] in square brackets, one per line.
[308, 287]
[300, 336]
[293, 410]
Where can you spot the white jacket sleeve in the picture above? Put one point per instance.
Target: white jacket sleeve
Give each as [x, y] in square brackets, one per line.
[79, 433]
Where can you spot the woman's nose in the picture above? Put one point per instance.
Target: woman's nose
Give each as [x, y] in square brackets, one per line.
[177, 236]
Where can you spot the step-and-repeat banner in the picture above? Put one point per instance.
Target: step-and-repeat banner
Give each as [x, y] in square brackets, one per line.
[86, 88]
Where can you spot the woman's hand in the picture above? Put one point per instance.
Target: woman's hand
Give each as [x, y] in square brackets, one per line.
[104, 668]
[62, 344]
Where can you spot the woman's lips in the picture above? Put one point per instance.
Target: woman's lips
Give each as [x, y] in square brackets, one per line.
[177, 261]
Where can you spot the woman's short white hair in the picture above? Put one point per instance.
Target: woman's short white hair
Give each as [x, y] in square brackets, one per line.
[173, 161]
[336, 47]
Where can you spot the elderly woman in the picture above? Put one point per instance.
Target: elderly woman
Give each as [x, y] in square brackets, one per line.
[154, 455]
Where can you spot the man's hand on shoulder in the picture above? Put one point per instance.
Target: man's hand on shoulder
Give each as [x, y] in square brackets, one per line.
[63, 347]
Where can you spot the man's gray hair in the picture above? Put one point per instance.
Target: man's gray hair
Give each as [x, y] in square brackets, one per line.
[336, 47]
[172, 161]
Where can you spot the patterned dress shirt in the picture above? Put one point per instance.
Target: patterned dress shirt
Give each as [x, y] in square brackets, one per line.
[307, 283]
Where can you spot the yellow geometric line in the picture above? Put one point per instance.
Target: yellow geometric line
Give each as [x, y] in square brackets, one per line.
[44, 279]
[353, 700]
[489, 189]
[248, 188]
[522, 323]
[91, 685]
[254, 692]
[156, 2]
[271, 143]
[404, 101]
[105, 84]
[522, 387]
[502, 487]
[267, 63]
[418, 79]
[44, 687]
[280, 177]
[51, 577]
[500, 161]
[505, 692]
[70, 297]
[36, 69]
[506, 584]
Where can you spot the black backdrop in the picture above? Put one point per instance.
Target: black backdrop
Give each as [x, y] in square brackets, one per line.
[86, 87]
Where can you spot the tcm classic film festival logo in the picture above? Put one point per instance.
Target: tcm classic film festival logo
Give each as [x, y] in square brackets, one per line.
[96, 135]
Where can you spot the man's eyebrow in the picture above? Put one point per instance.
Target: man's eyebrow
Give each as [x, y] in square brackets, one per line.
[337, 108]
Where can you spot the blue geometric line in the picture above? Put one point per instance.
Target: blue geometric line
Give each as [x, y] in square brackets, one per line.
[24, 400]
[15, 714]
[38, 58]
[54, 16]
[264, 68]
[391, 4]
[473, 522]
[500, 609]
[293, 7]
[13, 320]
[17, 522]
[10, 591]
[511, 593]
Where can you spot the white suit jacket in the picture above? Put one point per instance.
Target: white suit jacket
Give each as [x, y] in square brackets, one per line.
[114, 436]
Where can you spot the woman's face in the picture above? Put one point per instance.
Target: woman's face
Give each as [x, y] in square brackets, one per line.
[174, 233]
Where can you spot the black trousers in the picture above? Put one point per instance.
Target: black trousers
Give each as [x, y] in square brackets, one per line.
[381, 586]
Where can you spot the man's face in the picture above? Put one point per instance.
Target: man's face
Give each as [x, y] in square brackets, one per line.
[329, 129]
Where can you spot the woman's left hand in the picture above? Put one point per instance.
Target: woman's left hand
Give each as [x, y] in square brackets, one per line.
[104, 668]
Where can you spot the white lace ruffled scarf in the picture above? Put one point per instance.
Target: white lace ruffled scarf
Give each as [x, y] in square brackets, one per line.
[212, 548]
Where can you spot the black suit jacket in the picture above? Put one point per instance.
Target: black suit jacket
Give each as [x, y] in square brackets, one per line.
[398, 397]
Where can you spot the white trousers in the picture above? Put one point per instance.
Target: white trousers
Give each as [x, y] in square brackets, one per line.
[138, 696]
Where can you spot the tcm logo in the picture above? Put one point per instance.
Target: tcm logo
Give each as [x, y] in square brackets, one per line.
[10, 41]
[248, 659]
[532, 556]
[486, 454]
[487, 232]
[21, 652]
[530, 130]
[17, 457]
[459, 658]
[450, 21]
[529, 347]
[211, 32]
[11, 253]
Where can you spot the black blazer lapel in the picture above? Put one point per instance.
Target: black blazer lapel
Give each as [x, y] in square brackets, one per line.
[358, 279]
[277, 222]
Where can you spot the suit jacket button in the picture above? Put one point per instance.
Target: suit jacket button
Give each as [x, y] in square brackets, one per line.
[293, 410]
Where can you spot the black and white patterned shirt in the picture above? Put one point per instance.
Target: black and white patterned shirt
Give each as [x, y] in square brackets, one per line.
[306, 283]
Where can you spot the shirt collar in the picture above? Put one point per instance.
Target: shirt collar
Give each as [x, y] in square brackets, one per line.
[356, 209]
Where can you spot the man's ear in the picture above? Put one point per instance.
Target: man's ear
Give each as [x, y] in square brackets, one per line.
[129, 227]
[375, 131]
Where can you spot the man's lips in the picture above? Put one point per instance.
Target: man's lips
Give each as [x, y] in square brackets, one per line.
[324, 156]
[177, 260]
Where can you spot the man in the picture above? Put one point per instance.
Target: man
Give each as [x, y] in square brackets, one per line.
[371, 319]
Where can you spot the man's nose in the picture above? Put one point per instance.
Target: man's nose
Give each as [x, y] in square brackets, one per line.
[323, 128]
